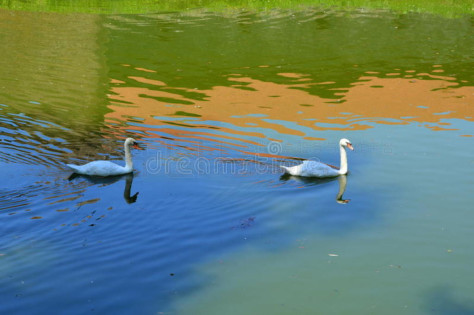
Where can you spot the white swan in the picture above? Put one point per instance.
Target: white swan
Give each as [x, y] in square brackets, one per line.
[107, 168]
[318, 169]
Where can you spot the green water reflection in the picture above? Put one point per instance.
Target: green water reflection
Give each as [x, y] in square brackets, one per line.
[454, 8]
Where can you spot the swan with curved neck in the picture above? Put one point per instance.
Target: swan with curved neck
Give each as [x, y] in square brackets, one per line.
[107, 168]
[318, 169]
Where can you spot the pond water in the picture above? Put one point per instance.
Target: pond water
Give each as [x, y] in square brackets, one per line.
[217, 103]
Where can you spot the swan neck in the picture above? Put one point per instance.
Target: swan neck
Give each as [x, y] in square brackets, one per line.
[343, 168]
[128, 157]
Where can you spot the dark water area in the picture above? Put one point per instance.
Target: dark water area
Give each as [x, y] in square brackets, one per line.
[207, 224]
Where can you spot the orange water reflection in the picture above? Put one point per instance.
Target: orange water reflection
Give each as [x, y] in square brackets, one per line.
[248, 103]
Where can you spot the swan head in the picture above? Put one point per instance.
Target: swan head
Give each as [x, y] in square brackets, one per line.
[130, 142]
[346, 143]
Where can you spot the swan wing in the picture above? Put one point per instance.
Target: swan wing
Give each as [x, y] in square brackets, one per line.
[311, 169]
[317, 169]
[99, 168]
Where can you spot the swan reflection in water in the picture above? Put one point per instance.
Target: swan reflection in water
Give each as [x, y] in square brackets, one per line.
[110, 180]
[310, 181]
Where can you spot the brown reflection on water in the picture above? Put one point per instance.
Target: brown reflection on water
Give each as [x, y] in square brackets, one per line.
[410, 100]
[291, 109]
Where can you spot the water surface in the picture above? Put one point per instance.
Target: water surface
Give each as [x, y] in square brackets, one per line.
[218, 102]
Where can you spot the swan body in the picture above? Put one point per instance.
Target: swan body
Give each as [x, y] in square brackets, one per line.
[318, 169]
[107, 168]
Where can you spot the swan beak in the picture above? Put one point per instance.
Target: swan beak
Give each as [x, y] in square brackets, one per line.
[349, 145]
[136, 146]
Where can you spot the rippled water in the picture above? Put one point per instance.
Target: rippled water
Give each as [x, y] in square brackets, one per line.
[218, 102]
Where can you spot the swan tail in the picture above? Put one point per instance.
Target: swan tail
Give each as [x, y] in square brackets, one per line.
[73, 167]
[285, 168]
